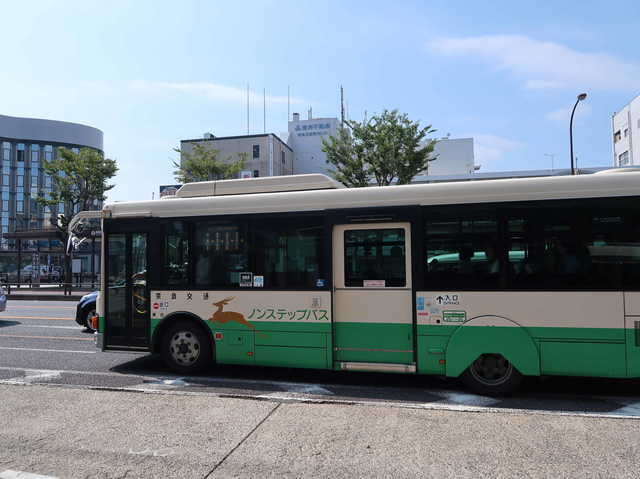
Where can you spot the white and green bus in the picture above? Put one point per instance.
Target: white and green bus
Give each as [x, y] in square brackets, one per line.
[487, 280]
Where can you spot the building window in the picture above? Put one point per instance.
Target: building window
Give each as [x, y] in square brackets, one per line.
[20, 151]
[256, 151]
[283, 157]
[626, 132]
[616, 137]
[623, 159]
[638, 123]
[5, 205]
[256, 173]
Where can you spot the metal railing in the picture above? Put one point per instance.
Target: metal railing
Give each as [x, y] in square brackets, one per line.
[80, 281]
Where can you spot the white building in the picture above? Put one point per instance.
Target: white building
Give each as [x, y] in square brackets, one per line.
[304, 139]
[625, 128]
[453, 157]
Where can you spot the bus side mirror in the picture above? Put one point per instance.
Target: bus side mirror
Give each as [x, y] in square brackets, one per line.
[70, 243]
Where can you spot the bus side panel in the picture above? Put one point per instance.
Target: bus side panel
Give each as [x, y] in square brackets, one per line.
[431, 351]
[578, 333]
[235, 347]
[257, 327]
[632, 324]
[583, 359]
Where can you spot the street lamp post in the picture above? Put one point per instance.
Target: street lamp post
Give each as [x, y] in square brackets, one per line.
[581, 97]
[551, 155]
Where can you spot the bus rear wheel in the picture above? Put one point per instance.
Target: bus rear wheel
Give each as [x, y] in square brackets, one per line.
[492, 375]
[185, 348]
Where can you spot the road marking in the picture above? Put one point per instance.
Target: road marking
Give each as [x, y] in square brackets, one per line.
[35, 317]
[49, 327]
[631, 411]
[43, 337]
[11, 474]
[50, 350]
[41, 307]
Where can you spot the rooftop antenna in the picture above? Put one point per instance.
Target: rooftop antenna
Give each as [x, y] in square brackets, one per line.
[247, 108]
[288, 102]
[264, 108]
[342, 106]
[310, 113]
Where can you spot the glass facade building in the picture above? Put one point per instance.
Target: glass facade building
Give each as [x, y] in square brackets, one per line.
[24, 144]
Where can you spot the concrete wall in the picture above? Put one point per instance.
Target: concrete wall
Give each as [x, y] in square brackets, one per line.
[233, 145]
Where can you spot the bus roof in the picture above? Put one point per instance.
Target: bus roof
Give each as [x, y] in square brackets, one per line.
[273, 198]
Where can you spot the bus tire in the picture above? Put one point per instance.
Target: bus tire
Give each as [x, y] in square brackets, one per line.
[186, 348]
[492, 375]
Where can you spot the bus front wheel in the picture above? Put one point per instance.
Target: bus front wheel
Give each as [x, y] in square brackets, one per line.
[185, 348]
[492, 375]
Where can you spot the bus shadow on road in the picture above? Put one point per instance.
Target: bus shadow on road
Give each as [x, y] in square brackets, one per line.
[4, 324]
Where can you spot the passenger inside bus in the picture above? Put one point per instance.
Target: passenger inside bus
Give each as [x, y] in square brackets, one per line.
[492, 253]
[465, 255]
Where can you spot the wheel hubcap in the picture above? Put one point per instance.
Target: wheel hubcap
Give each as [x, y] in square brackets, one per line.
[90, 319]
[491, 369]
[184, 347]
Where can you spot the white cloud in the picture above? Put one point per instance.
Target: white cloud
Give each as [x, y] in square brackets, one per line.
[563, 115]
[544, 65]
[212, 91]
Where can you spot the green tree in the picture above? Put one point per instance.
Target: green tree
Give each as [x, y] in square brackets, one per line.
[349, 154]
[78, 179]
[384, 147]
[202, 164]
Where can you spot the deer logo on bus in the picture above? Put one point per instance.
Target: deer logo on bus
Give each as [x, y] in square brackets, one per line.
[222, 317]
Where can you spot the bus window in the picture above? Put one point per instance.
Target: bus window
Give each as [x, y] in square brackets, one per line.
[288, 253]
[220, 252]
[176, 254]
[375, 255]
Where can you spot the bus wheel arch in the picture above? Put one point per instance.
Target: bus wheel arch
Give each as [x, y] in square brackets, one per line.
[186, 331]
[492, 353]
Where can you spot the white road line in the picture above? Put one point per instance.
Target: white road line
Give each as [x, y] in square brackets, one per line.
[10, 474]
[32, 375]
[50, 350]
[164, 384]
[77, 328]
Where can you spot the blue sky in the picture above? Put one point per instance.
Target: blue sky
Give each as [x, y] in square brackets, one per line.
[151, 73]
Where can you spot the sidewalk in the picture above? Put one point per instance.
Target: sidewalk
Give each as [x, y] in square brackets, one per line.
[45, 292]
[78, 433]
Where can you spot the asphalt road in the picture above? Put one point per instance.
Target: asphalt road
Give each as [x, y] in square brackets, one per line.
[71, 411]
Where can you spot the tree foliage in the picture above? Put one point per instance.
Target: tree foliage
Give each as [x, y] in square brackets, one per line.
[384, 147]
[202, 164]
[78, 180]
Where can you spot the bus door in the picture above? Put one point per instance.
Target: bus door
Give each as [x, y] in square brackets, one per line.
[372, 317]
[127, 306]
